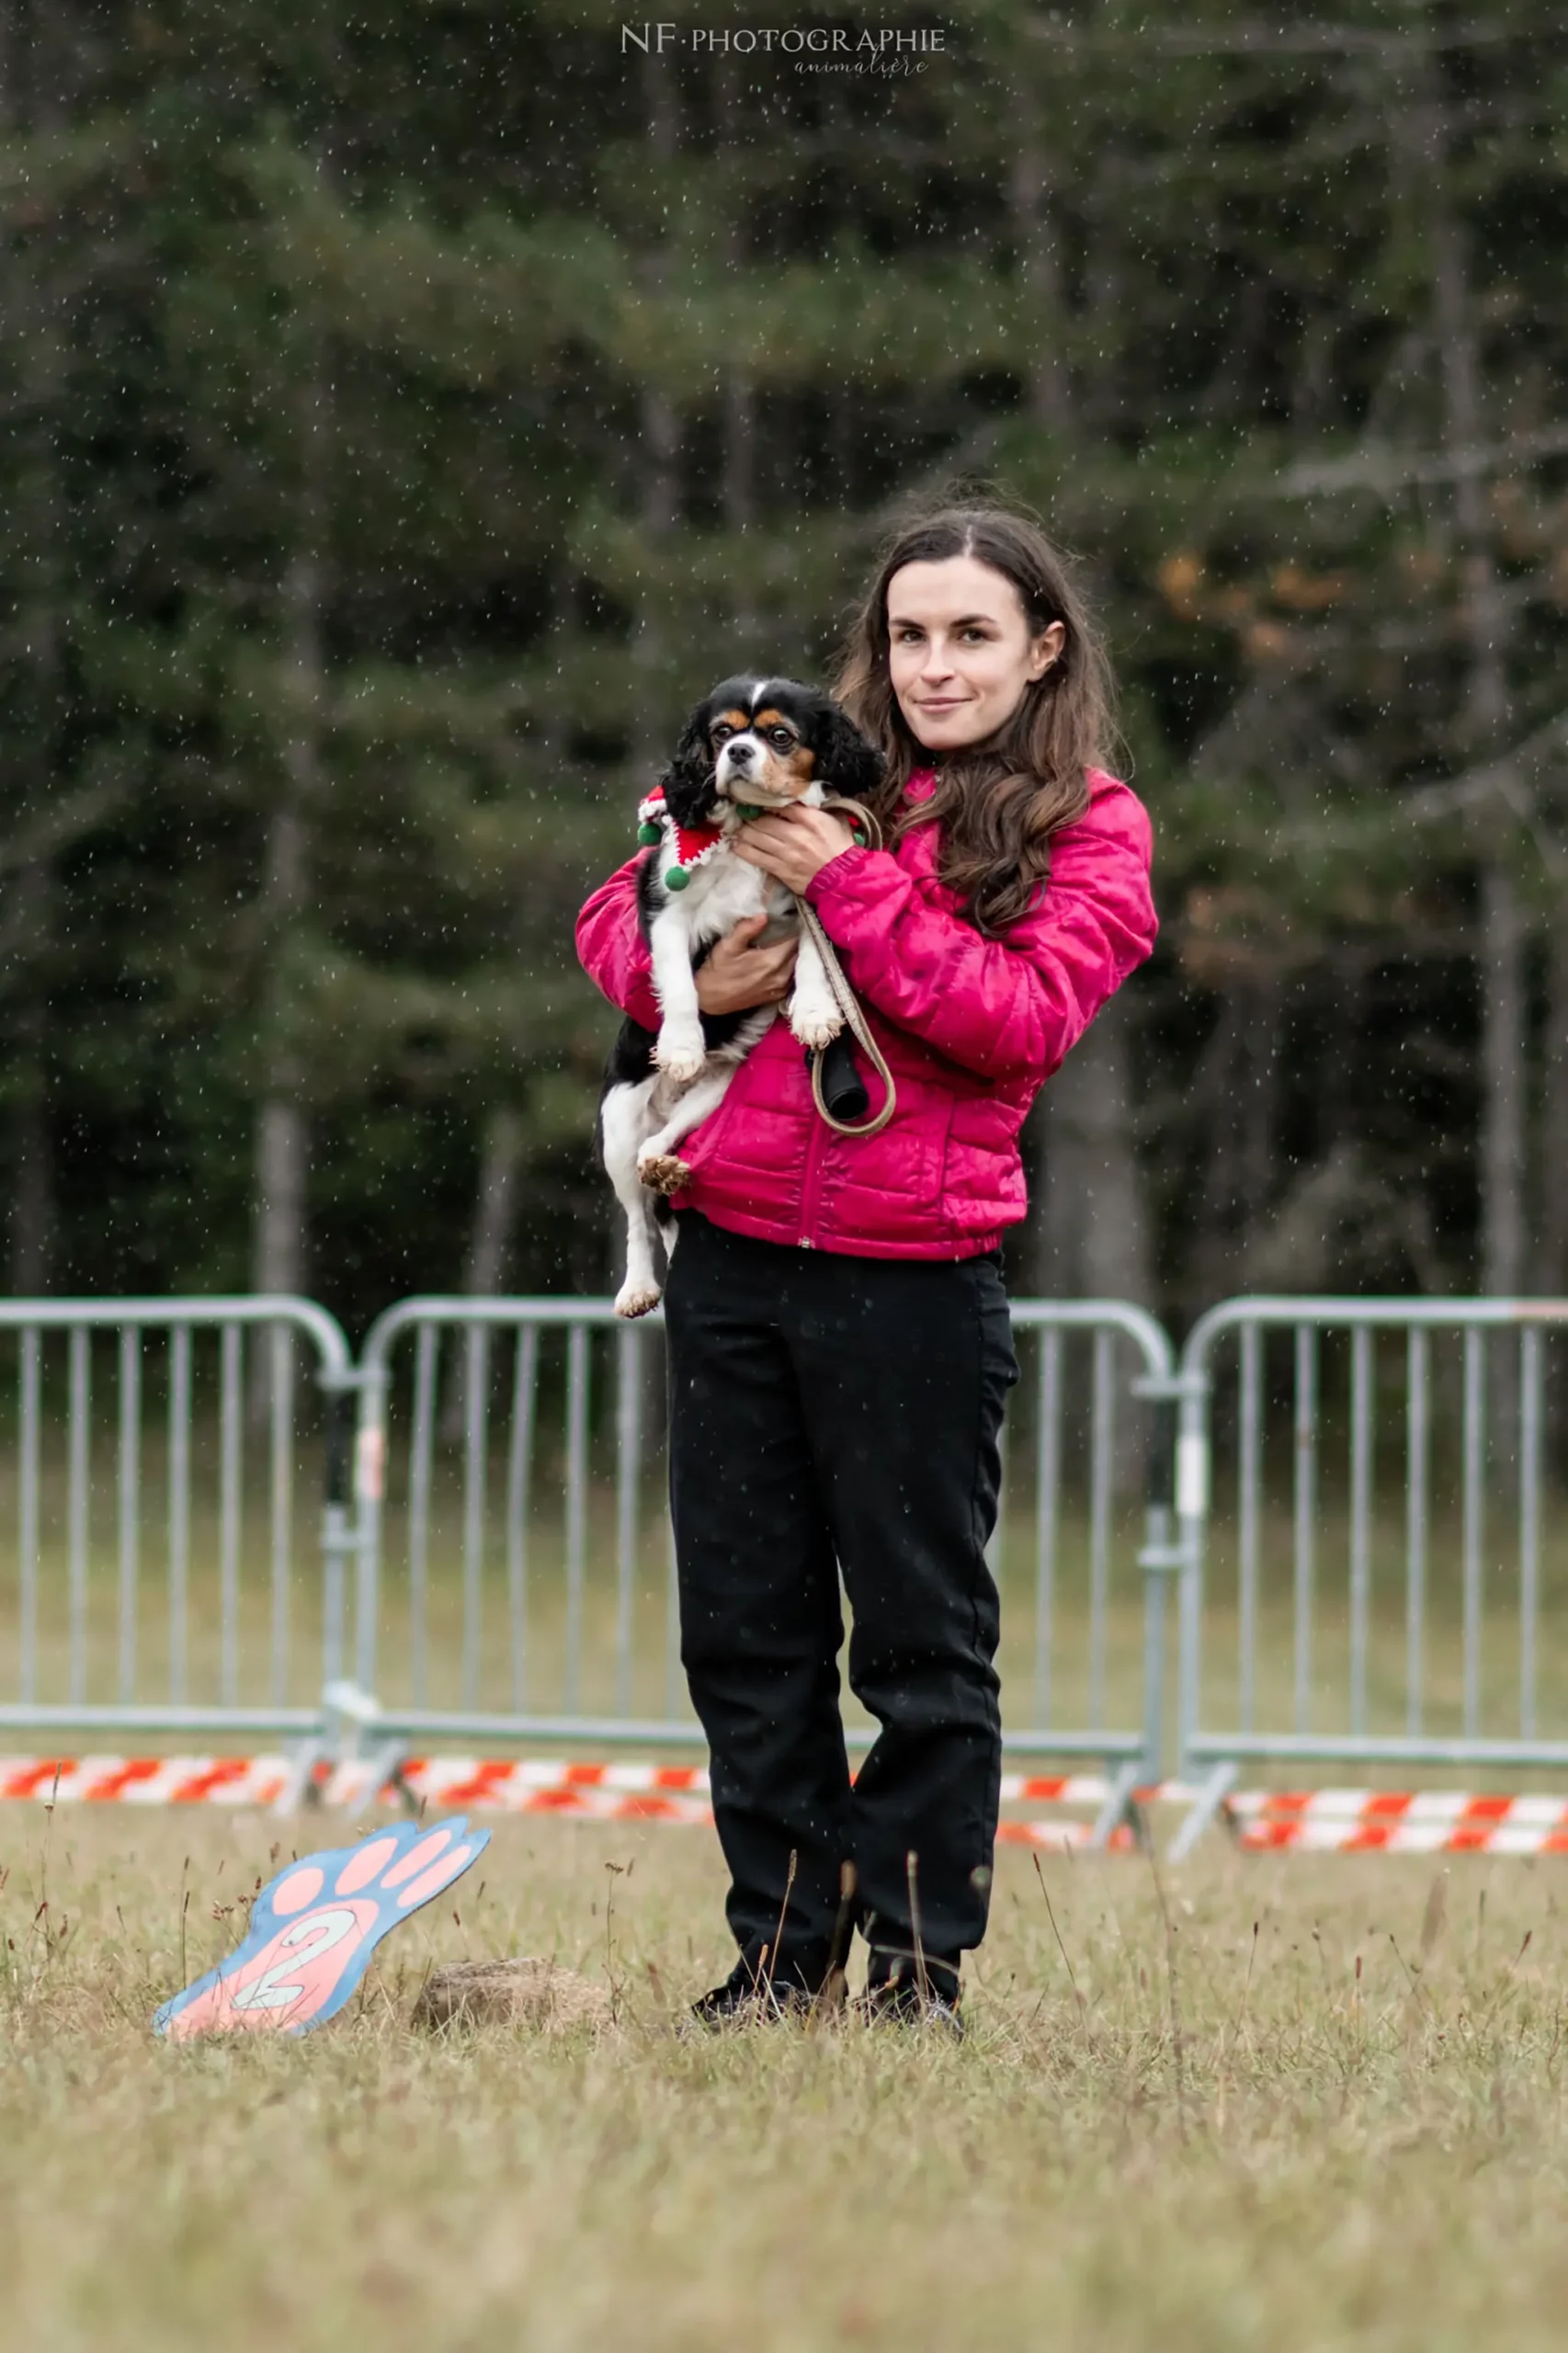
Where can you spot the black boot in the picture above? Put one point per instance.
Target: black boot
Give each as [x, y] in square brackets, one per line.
[902, 1990]
[752, 1993]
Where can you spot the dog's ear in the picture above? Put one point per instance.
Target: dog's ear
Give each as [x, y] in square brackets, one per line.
[689, 780]
[848, 762]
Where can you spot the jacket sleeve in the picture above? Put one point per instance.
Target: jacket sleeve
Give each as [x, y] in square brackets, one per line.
[999, 1007]
[612, 950]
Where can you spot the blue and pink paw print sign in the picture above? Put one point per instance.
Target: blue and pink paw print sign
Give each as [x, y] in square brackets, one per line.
[313, 1931]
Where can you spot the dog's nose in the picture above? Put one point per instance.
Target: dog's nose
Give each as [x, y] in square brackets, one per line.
[739, 754]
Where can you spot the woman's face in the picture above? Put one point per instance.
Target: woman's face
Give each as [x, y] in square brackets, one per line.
[959, 650]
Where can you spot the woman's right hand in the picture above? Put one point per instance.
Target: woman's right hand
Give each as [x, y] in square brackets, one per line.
[738, 975]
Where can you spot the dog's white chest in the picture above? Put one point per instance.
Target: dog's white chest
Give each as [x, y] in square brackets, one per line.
[721, 893]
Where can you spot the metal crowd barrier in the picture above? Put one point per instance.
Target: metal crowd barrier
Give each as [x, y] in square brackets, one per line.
[145, 1596]
[1354, 1617]
[1358, 1528]
[519, 1550]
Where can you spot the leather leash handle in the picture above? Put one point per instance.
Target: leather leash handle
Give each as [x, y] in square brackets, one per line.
[848, 1003]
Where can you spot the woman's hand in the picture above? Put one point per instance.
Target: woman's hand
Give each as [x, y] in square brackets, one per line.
[738, 975]
[794, 844]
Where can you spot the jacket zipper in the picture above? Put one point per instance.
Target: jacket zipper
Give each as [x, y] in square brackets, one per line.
[813, 1183]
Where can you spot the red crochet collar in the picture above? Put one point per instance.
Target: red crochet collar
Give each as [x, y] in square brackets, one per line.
[689, 843]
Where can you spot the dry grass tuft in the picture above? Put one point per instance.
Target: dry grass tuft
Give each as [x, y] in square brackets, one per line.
[538, 1994]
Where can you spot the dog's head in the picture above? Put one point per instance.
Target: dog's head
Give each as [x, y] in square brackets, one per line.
[762, 743]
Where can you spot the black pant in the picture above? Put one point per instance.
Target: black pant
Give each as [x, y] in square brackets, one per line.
[832, 1413]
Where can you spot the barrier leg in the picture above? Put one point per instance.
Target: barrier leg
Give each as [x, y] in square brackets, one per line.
[1118, 1806]
[383, 1770]
[300, 1787]
[1207, 1806]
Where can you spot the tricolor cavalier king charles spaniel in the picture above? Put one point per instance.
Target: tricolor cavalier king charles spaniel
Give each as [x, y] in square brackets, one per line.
[755, 745]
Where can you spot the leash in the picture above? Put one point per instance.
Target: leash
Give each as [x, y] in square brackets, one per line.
[846, 1001]
[694, 845]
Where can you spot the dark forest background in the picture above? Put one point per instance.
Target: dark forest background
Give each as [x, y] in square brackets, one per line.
[406, 415]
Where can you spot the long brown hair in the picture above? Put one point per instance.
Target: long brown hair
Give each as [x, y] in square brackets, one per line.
[997, 803]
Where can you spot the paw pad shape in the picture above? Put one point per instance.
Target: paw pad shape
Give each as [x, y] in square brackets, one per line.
[314, 1928]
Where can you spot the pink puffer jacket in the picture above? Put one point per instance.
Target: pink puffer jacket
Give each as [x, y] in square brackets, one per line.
[970, 1027]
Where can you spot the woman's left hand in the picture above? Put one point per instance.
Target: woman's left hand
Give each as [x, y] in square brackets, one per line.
[794, 844]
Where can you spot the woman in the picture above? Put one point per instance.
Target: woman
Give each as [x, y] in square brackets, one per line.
[837, 1327]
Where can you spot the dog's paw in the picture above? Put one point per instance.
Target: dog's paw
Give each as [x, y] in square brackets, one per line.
[816, 1025]
[680, 1058]
[636, 1299]
[662, 1172]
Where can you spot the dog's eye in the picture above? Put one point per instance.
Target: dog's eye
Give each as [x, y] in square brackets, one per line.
[782, 736]
[720, 735]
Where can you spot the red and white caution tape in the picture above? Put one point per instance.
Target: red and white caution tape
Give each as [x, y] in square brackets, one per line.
[1421, 1822]
[513, 1784]
[555, 1785]
[144, 1781]
[573, 1789]
[1058, 1836]
[539, 1785]
[1305, 1822]
[508, 1785]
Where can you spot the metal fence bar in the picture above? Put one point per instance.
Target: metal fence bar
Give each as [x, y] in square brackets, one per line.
[78, 1503]
[180, 1512]
[1101, 1459]
[333, 1583]
[1305, 1516]
[419, 1472]
[577, 1370]
[1474, 1500]
[628, 1476]
[1047, 1513]
[230, 1409]
[520, 1473]
[1417, 1428]
[476, 1406]
[282, 1499]
[1529, 1523]
[1393, 1749]
[28, 1508]
[1193, 1481]
[129, 1502]
[1250, 1473]
[1363, 1396]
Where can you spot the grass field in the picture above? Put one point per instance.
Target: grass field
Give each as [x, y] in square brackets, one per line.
[1323, 2111]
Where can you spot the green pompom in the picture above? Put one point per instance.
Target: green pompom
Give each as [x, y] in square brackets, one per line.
[647, 833]
[859, 831]
[745, 808]
[676, 877]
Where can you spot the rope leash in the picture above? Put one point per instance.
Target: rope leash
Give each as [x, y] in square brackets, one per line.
[846, 1001]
